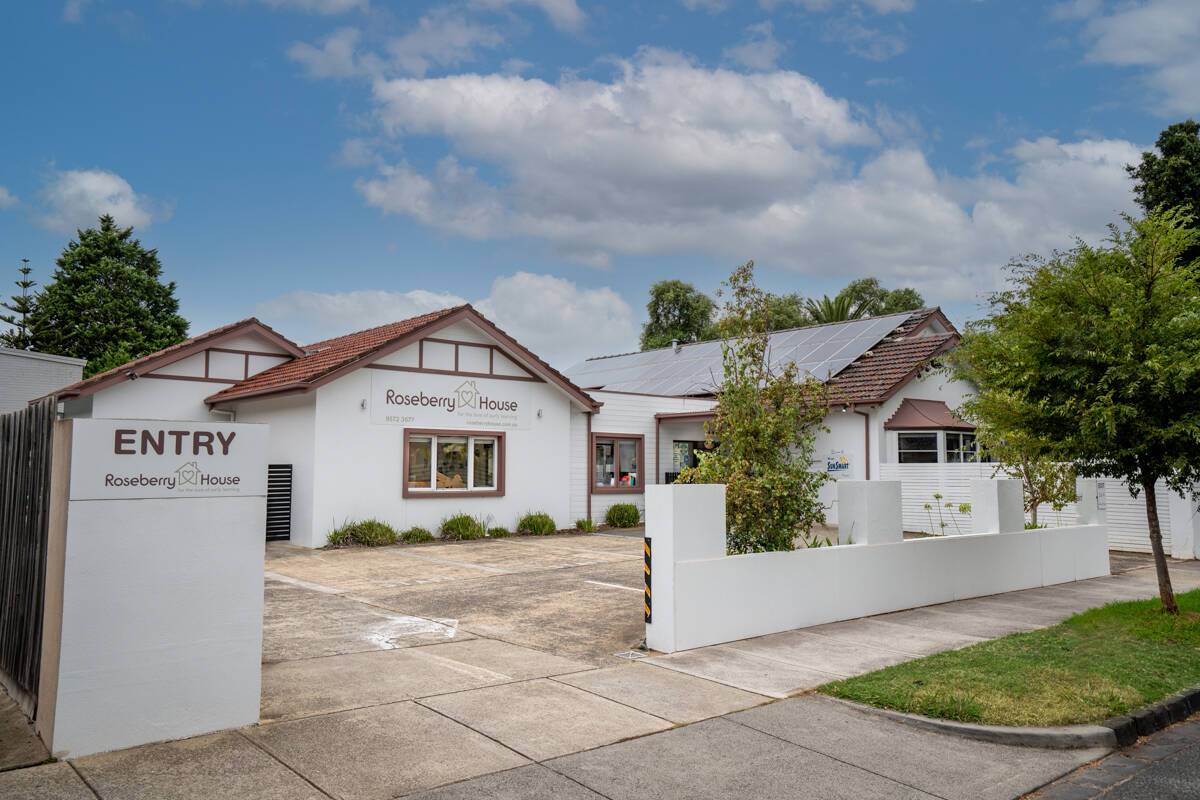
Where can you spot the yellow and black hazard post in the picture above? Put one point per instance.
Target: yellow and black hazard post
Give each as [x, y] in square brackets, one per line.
[646, 547]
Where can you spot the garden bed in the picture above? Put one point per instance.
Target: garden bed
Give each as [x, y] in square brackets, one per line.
[1099, 664]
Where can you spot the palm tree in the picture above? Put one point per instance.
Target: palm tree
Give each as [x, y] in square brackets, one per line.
[838, 309]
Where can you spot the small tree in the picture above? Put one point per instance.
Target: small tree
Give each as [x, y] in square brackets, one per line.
[677, 312]
[764, 432]
[106, 301]
[1096, 354]
[20, 307]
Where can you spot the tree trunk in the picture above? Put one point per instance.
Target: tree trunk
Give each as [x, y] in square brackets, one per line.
[1165, 593]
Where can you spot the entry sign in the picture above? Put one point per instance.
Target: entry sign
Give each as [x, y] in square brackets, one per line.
[114, 459]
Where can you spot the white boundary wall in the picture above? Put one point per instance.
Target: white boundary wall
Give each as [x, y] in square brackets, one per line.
[1126, 514]
[701, 596]
[154, 594]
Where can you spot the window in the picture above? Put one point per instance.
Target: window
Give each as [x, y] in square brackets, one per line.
[616, 463]
[918, 448]
[961, 448]
[440, 463]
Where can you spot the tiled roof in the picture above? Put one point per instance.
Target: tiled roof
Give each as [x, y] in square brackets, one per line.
[323, 357]
[137, 365]
[875, 374]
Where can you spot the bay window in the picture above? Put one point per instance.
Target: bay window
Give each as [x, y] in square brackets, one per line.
[961, 448]
[917, 448]
[444, 463]
[617, 462]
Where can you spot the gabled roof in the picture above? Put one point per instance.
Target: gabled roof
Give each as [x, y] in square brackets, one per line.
[177, 352]
[330, 359]
[877, 374]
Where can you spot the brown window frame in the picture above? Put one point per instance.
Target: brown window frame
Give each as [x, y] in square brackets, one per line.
[444, 494]
[614, 438]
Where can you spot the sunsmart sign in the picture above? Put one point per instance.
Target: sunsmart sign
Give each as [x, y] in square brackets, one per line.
[449, 401]
[129, 459]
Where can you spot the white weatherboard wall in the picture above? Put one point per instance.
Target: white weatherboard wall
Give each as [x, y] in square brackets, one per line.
[1126, 514]
[25, 376]
[153, 614]
[702, 596]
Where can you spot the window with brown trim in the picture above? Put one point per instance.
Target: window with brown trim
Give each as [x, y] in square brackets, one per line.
[617, 462]
[442, 463]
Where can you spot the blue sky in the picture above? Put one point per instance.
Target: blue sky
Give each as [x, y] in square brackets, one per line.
[331, 164]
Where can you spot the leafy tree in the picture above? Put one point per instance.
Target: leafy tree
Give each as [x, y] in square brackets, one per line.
[764, 433]
[786, 311]
[20, 306]
[677, 312]
[869, 295]
[1170, 177]
[1095, 353]
[106, 301]
[839, 309]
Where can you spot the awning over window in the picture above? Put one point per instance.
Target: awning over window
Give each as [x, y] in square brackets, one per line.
[925, 415]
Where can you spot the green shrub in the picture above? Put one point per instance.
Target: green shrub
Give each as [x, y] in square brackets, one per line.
[537, 523]
[499, 533]
[416, 535]
[462, 527]
[367, 533]
[585, 525]
[623, 515]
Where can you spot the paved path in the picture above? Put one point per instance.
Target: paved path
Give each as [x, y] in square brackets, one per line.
[392, 673]
[1165, 766]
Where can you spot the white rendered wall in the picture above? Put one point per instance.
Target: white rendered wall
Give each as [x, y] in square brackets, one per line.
[154, 605]
[292, 440]
[155, 398]
[703, 597]
[357, 464]
[933, 385]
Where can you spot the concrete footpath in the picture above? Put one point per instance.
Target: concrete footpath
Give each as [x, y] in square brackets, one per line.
[363, 701]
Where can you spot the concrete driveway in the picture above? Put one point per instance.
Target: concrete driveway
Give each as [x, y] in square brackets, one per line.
[488, 669]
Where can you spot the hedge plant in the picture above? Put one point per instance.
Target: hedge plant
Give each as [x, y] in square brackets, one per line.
[537, 523]
[416, 535]
[365, 533]
[585, 525]
[461, 527]
[499, 533]
[623, 515]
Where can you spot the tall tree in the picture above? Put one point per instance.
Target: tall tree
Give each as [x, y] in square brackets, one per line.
[19, 306]
[838, 309]
[869, 295]
[1169, 175]
[764, 433]
[786, 311]
[106, 301]
[1095, 353]
[677, 312]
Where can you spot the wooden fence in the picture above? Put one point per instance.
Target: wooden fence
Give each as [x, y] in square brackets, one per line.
[25, 454]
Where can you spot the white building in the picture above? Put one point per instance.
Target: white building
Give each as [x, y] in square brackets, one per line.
[26, 375]
[445, 413]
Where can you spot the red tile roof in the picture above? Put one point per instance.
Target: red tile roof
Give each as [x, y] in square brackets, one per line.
[876, 374]
[169, 354]
[322, 360]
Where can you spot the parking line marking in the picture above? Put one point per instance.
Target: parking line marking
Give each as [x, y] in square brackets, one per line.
[615, 586]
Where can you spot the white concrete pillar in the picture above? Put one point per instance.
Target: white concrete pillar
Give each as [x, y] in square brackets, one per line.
[1184, 516]
[1091, 505]
[869, 512]
[997, 506]
[684, 522]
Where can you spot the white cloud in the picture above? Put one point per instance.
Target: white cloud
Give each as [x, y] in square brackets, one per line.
[711, 6]
[563, 14]
[7, 199]
[1159, 36]
[334, 58]
[73, 10]
[758, 50]
[76, 198]
[553, 317]
[668, 157]
[878, 6]
[326, 7]
[866, 41]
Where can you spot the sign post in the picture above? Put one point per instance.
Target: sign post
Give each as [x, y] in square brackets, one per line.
[153, 614]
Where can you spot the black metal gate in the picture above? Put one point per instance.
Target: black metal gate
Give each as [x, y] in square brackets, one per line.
[279, 501]
[26, 443]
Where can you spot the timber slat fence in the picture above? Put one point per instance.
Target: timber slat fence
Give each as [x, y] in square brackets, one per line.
[25, 455]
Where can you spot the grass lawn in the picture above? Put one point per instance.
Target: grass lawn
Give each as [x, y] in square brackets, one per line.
[1095, 665]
